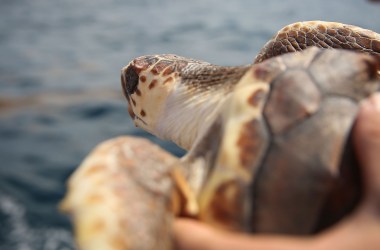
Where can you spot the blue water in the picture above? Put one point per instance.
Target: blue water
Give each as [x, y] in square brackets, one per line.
[60, 92]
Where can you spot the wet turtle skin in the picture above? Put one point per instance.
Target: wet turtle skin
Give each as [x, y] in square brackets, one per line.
[294, 170]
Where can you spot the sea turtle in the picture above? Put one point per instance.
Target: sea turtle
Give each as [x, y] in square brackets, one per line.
[269, 146]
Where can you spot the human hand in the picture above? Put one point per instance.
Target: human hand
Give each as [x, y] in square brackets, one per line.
[361, 230]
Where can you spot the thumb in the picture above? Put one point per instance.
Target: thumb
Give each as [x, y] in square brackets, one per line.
[366, 135]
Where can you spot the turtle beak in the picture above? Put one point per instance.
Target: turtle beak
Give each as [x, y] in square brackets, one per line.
[130, 111]
[126, 94]
[130, 79]
[123, 85]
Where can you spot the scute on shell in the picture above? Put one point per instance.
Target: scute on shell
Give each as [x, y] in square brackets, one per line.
[295, 185]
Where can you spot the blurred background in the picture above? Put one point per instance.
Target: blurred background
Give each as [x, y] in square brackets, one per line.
[60, 92]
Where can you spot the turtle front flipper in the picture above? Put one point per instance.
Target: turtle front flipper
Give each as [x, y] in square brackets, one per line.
[285, 163]
[225, 199]
[301, 35]
[124, 196]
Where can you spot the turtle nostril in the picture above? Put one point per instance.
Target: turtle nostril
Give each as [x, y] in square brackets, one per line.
[131, 80]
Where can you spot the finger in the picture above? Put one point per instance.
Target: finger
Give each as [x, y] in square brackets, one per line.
[189, 234]
[193, 235]
[367, 143]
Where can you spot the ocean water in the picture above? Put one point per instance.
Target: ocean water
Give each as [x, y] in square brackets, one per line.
[60, 92]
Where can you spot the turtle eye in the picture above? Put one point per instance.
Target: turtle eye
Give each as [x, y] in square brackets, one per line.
[131, 80]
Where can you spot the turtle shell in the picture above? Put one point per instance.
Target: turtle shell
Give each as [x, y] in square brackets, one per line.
[286, 163]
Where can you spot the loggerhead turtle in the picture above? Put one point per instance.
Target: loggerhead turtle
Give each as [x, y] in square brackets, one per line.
[269, 148]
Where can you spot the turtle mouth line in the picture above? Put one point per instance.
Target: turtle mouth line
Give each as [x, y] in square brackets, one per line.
[133, 115]
[138, 118]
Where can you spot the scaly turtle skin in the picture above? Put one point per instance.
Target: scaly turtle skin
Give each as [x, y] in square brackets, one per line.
[268, 143]
[301, 35]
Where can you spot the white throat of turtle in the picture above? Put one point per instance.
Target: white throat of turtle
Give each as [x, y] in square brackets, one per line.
[187, 117]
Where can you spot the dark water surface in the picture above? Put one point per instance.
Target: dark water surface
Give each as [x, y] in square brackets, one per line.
[60, 92]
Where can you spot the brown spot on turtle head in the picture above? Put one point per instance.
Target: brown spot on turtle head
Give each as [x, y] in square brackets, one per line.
[168, 80]
[152, 84]
[142, 78]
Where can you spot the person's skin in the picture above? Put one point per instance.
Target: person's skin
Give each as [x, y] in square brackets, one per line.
[360, 231]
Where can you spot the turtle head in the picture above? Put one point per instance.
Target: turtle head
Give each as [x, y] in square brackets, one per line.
[176, 98]
[147, 81]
